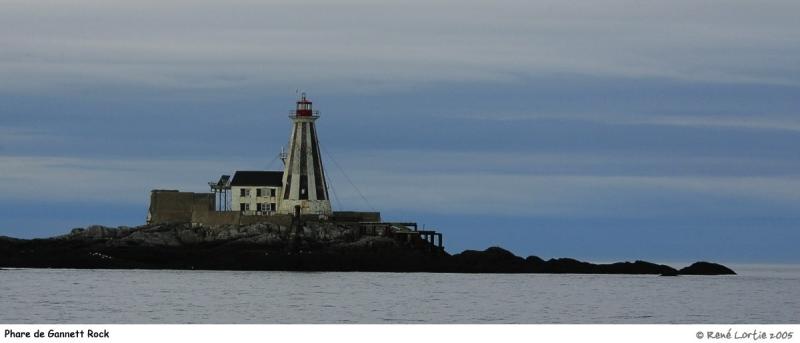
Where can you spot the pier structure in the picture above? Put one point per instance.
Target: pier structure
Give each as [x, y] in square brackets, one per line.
[221, 190]
[404, 232]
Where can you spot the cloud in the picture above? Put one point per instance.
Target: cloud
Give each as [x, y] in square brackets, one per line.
[577, 163]
[102, 180]
[12, 137]
[570, 196]
[753, 122]
[425, 186]
[571, 186]
[362, 46]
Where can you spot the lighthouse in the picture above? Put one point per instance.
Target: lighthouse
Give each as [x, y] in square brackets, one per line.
[304, 182]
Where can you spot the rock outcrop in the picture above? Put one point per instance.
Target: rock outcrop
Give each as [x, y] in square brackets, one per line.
[706, 268]
[315, 246]
[499, 260]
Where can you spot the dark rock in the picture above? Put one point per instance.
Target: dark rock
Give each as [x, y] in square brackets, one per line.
[706, 268]
[637, 267]
[568, 265]
[9, 239]
[317, 247]
[491, 260]
[188, 237]
[535, 260]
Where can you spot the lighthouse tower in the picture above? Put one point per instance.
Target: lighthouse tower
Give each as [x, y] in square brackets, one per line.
[303, 176]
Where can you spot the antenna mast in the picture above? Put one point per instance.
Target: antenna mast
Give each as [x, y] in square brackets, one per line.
[283, 155]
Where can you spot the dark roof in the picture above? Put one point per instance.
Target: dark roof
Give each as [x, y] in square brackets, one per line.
[258, 178]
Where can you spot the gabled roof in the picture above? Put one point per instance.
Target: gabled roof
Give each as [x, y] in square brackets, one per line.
[258, 178]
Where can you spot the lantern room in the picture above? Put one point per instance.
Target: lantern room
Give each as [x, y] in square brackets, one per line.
[303, 107]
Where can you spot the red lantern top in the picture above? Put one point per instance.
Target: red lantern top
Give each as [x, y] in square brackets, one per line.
[303, 107]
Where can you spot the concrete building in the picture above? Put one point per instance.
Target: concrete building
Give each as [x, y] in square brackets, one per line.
[175, 206]
[256, 192]
[304, 181]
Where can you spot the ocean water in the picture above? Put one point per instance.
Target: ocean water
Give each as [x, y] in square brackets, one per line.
[760, 294]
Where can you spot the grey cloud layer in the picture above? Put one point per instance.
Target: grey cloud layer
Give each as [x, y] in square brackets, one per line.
[577, 189]
[363, 45]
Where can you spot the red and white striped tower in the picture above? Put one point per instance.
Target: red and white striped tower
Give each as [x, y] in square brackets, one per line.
[303, 176]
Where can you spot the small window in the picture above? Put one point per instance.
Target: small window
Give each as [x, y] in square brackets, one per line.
[272, 192]
[258, 192]
[243, 207]
[272, 207]
[242, 192]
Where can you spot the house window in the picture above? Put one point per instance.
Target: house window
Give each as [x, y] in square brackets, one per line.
[272, 192]
[244, 192]
[244, 207]
[258, 192]
[266, 207]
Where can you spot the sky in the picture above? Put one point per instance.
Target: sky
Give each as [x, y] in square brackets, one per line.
[604, 130]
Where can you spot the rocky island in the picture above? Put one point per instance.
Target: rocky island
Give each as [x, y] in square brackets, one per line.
[283, 220]
[309, 247]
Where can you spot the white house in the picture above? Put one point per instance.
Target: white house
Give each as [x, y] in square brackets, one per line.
[256, 192]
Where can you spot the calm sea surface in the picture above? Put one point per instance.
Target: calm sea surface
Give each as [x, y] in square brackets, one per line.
[760, 294]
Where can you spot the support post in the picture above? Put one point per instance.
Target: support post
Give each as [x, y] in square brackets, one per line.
[295, 230]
